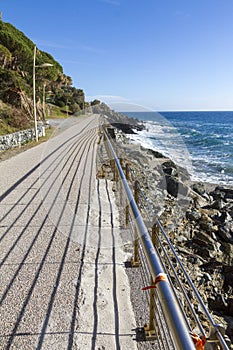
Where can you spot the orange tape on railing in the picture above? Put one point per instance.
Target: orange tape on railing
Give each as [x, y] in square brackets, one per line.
[161, 277]
[198, 342]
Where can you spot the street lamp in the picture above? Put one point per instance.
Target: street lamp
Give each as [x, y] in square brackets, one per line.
[44, 65]
[43, 102]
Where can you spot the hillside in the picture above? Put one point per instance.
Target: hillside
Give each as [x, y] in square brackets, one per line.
[16, 81]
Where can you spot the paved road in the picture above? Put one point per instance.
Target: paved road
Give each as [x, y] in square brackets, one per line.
[62, 280]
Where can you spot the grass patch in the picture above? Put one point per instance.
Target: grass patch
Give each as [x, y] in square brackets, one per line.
[57, 112]
[6, 128]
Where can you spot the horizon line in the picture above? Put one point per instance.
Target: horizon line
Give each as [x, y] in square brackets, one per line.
[179, 110]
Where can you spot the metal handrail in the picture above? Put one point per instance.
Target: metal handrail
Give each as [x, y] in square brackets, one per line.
[213, 325]
[171, 310]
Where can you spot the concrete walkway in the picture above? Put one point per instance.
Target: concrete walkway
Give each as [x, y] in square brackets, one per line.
[62, 278]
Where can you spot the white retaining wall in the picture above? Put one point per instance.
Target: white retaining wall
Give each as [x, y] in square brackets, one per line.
[19, 138]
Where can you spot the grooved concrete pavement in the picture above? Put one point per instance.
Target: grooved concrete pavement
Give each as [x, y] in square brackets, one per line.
[62, 278]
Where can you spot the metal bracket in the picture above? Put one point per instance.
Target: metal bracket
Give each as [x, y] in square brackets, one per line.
[150, 334]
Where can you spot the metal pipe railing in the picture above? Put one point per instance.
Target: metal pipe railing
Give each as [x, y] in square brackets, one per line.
[214, 328]
[172, 313]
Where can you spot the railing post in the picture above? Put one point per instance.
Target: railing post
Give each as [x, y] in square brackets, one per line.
[154, 236]
[149, 329]
[120, 184]
[136, 192]
[105, 138]
[116, 176]
[127, 172]
[135, 259]
[127, 205]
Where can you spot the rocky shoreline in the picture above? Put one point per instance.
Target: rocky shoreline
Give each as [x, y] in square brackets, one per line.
[197, 216]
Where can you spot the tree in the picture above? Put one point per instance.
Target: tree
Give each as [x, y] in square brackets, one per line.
[95, 102]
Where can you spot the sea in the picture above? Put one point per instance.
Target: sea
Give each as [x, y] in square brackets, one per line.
[202, 142]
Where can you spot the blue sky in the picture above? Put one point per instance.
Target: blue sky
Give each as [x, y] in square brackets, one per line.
[159, 54]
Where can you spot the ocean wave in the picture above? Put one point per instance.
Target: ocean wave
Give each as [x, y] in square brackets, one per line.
[200, 141]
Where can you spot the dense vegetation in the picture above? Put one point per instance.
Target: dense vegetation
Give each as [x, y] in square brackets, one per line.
[16, 79]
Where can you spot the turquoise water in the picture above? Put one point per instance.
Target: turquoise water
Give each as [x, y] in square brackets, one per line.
[200, 141]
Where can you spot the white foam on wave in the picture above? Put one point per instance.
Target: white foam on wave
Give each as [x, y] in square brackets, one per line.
[166, 140]
[222, 178]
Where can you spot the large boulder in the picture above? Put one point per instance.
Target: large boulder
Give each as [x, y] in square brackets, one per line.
[199, 188]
